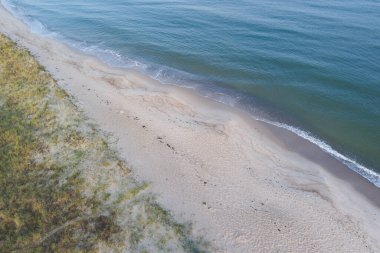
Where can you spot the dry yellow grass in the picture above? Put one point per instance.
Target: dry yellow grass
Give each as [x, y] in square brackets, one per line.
[62, 189]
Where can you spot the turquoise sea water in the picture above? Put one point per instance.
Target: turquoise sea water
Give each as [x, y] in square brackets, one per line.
[312, 67]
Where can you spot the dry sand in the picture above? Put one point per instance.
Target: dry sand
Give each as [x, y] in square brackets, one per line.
[245, 186]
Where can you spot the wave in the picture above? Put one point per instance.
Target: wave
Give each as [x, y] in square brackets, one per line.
[367, 173]
[35, 25]
[233, 100]
[114, 58]
[167, 75]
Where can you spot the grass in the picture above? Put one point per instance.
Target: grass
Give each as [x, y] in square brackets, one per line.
[62, 189]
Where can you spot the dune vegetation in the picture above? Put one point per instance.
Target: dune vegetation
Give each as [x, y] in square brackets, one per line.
[62, 188]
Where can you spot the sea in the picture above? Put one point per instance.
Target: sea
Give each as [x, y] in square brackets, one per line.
[311, 67]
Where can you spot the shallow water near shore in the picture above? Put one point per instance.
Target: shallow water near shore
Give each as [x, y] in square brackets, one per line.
[298, 65]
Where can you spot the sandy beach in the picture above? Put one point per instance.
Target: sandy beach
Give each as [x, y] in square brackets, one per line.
[244, 185]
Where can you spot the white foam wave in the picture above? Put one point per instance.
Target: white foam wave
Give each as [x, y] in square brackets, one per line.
[222, 98]
[112, 57]
[35, 25]
[370, 175]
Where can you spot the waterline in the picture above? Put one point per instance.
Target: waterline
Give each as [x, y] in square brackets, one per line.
[227, 95]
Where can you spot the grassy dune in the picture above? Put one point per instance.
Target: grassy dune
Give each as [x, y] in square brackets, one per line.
[62, 189]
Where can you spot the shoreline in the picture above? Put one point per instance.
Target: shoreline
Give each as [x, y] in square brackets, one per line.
[195, 143]
[367, 172]
[225, 96]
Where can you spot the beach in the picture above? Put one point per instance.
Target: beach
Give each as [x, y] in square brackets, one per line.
[244, 185]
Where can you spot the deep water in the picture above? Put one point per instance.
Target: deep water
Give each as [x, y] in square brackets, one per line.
[312, 65]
